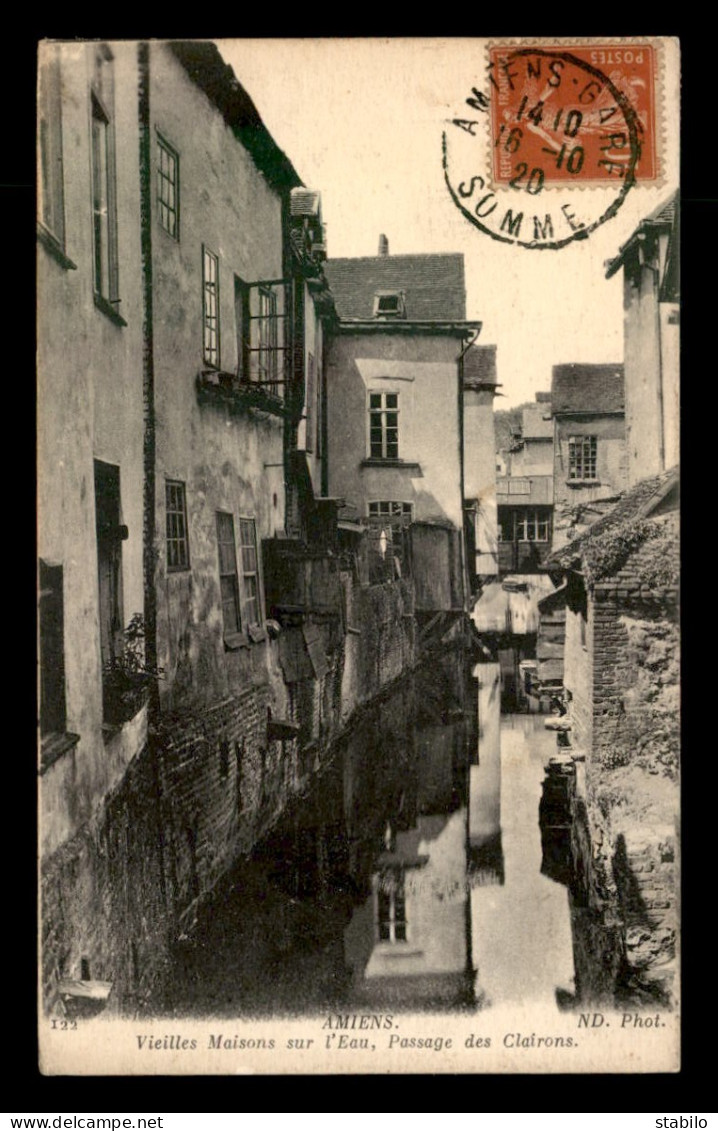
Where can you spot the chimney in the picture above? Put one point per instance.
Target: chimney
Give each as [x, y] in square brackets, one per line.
[383, 245]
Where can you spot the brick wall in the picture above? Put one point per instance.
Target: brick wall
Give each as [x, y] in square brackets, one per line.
[644, 865]
[225, 784]
[124, 889]
[625, 890]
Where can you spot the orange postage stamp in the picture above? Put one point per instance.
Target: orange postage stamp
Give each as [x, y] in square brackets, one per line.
[578, 112]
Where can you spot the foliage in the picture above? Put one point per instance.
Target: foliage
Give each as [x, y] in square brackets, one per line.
[129, 671]
[606, 551]
[506, 422]
[127, 677]
[130, 666]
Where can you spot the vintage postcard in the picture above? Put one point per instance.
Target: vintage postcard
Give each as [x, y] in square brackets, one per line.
[358, 555]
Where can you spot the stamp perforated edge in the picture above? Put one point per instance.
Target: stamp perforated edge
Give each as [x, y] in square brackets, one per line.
[659, 106]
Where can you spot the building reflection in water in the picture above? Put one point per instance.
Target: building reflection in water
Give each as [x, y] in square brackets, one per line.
[368, 891]
[486, 858]
[408, 943]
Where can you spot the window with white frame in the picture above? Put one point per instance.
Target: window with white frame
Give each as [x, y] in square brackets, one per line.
[582, 457]
[168, 187]
[251, 600]
[228, 577]
[104, 188]
[177, 541]
[524, 524]
[390, 512]
[531, 525]
[210, 307]
[384, 425]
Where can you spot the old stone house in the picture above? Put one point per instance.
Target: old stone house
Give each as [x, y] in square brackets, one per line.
[480, 383]
[95, 763]
[651, 296]
[524, 492]
[621, 678]
[394, 414]
[588, 406]
[200, 600]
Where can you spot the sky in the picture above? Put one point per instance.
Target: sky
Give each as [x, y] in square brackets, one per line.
[362, 122]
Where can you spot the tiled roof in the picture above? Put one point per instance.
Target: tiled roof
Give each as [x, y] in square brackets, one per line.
[536, 422]
[638, 503]
[480, 365]
[305, 202]
[433, 285]
[666, 215]
[578, 388]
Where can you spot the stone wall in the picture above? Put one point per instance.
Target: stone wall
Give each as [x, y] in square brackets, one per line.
[103, 898]
[624, 835]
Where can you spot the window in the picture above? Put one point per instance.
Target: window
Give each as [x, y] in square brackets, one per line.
[51, 204]
[177, 543]
[320, 408]
[389, 304]
[531, 526]
[310, 407]
[110, 534]
[267, 336]
[390, 513]
[228, 580]
[210, 307]
[384, 425]
[250, 572]
[266, 329]
[241, 322]
[582, 457]
[524, 524]
[52, 650]
[104, 194]
[168, 187]
[391, 907]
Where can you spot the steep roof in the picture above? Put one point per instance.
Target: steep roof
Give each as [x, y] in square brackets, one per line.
[210, 73]
[480, 365]
[666, 215]
[654, 499]
[433, 285]
[587, 388]
[305, 202]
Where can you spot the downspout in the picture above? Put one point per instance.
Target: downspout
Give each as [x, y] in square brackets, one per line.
[462, 540]
[149, 438]
[148, 368]
[659, 340]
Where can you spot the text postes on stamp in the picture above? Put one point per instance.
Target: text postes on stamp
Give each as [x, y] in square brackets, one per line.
[548, 120]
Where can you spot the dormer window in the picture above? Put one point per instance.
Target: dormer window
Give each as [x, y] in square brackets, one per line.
[389, 304]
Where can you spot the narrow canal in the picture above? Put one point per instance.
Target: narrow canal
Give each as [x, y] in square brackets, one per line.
[409, 879]
[521, 927]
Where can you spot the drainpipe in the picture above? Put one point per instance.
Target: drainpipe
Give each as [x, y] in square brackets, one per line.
[462, 547]
[149, 439]
[659, 390]
[148, 366]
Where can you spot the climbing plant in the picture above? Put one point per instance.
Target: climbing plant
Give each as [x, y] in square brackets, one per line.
[606, 551]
